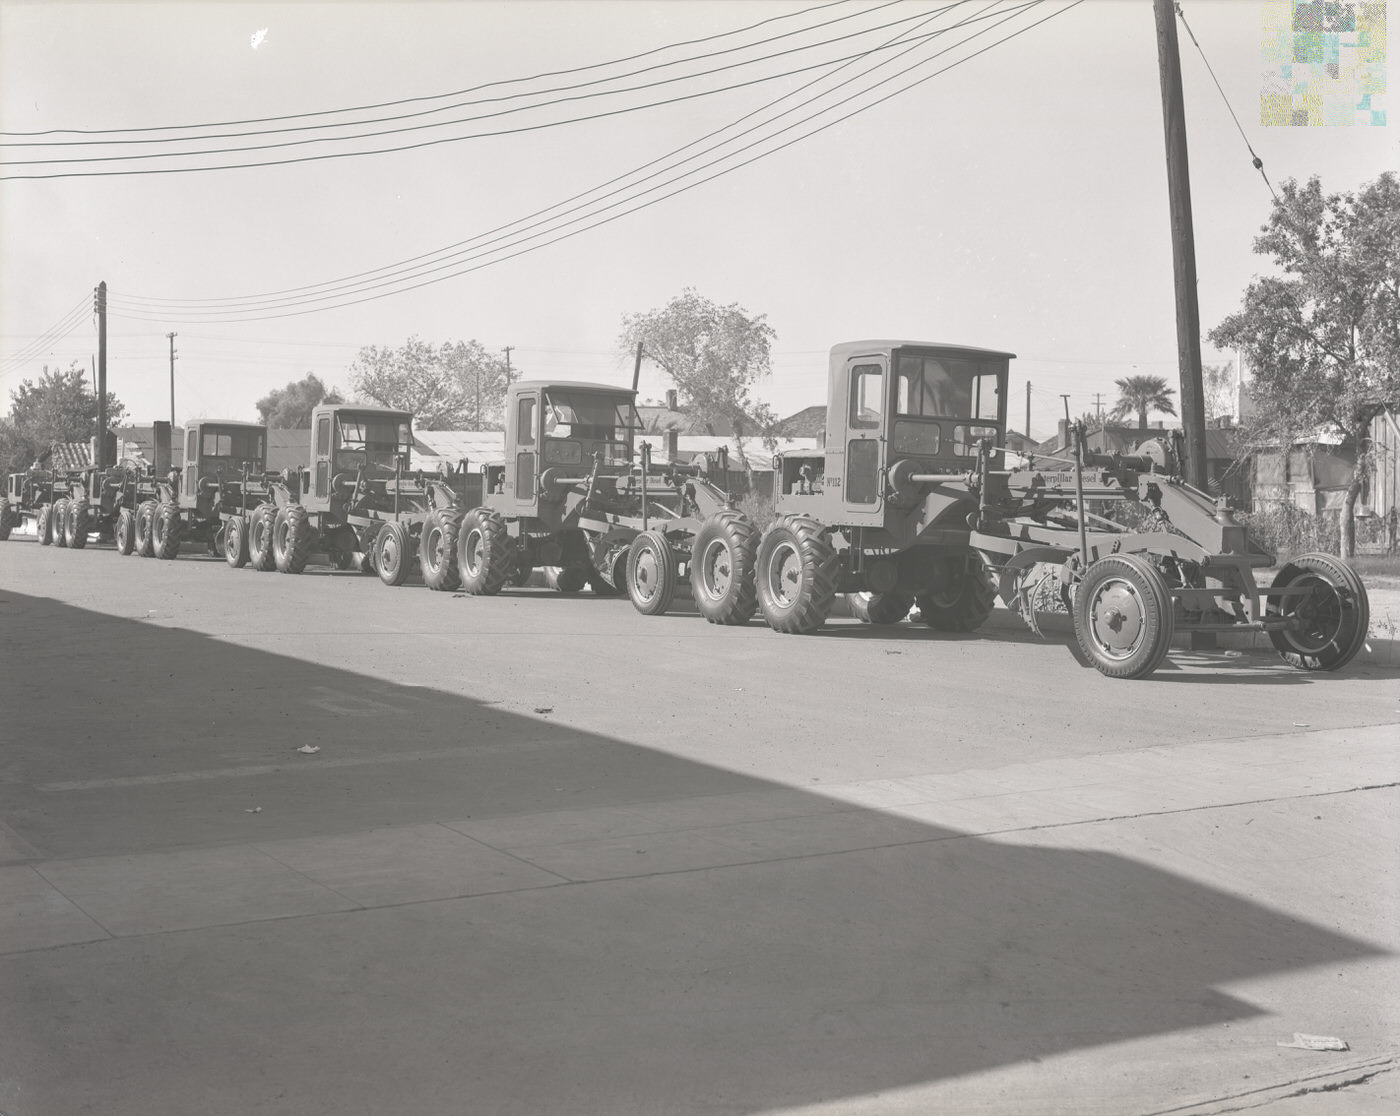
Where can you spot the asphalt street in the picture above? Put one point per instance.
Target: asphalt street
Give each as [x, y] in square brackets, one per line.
[314, 845]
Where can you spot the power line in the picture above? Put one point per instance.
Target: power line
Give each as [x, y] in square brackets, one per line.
[287, 312]
[71, 320]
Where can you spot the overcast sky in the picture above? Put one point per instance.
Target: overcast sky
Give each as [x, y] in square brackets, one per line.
[1016, 201]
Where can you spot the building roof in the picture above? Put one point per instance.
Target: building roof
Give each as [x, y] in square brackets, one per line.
[433, 448]
[810, 422]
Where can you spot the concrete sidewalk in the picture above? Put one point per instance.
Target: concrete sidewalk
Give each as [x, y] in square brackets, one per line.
[1111, 934]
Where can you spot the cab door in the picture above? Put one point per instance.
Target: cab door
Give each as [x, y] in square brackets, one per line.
[192, 436]
[323, 456]
[521, 473]
[865, 431]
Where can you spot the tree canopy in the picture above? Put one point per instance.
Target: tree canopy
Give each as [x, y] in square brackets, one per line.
[59, 407]
[714, 354]
[1322, 337]
[290, 408]
[1141, 395]
[453, 386]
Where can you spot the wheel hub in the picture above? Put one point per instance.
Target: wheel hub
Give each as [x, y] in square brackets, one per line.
[1119, 618]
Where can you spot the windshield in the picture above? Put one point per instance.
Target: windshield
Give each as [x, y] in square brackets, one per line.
[230, 448]
[372, 440]
[596, 417]
[946, 387]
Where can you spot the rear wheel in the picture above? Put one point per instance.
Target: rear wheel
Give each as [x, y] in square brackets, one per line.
[126, 531]
[75, 526]
[260, 555]
[879, 608]
[722, 561]
[566, 579]
[1123, 616]
[1332, 620]
[391, 553]
[965, 599]
[486, 557]
[236, 542]
[291, 539]
[437, 549]
[60, 522]
[651, 573]
[796, 574]
[43, 524]
[7, 519]
[165, 531]
[145, 528]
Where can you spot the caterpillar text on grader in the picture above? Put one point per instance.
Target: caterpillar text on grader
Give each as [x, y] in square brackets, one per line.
[911, 502]
[576, 494]
[357, 500]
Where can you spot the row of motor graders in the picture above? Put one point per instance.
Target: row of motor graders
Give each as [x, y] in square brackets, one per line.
[911, 503]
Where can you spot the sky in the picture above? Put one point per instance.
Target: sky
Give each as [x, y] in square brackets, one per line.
[1015, 199]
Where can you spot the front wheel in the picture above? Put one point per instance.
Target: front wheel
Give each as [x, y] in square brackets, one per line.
[391, 553]
[43, 524]
[796, 573]
[1123, 616]
[236, 542]
[126, 531]
[652, 573]
[722, 561]
[1331, 619]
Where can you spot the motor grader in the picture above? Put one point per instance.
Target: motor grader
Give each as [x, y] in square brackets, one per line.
[577, 496]
[911, 503]
[357, 501]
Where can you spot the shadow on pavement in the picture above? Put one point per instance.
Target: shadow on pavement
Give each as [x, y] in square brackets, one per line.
[705, 940]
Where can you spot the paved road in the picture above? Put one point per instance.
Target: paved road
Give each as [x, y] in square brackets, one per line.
[554, 856]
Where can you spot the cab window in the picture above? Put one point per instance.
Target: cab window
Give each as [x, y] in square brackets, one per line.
[867, 403]
[525, 422]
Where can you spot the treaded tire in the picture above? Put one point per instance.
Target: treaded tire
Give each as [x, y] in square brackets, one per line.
[75, 527]
[652, 573]
[437, 549]
[519, 574]
[1123, 616]
[393, 553]
[145, 528]
[60, 522]
[879, 608]
[796, 574]
[260, 555]
[236, 541]
[485, 553]
[722, 562]
[43, 524]
[165, 531]
[7, 519]
[291, 539]
[566, 579]
[965, 605]
[125, 533]
[1336, 622]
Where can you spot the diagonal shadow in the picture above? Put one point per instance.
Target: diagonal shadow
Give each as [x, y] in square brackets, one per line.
[705, 940]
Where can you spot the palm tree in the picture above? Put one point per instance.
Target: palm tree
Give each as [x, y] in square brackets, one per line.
[1142, 394]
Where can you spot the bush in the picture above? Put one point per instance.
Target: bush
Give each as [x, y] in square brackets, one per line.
[1286, 529]
[758, 507]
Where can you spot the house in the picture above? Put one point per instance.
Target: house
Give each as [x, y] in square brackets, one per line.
[671, 419]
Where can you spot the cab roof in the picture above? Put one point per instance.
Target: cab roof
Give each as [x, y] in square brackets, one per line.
[856, 348]
[572, 385]
[225, 422]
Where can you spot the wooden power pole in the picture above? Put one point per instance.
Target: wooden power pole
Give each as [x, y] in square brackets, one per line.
[171, 337]
[100, 305]
[1188, 314]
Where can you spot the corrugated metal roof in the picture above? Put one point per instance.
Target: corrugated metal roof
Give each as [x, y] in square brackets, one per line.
[487, 447]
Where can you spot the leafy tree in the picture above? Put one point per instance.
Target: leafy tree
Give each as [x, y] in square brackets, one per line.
[1219, 383]
[1323, 337]
[290, 408]
[453, 386]
[1140, 395]
[58, 408]
[715, 355]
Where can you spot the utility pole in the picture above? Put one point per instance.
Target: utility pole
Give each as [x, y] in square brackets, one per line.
[171, 337]
[1098, 405]
[507, 351]
[1188, 314]
[100, 305]
[1028, 411]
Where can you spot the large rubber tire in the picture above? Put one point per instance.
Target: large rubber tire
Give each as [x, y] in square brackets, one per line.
[125, 533]
[566, 579]
[520, 573]
[43, 524]
[165, 531]
[393, 553]
[60, 521]
[1335, 620]
[796, 574]
[291, 539]
[145, 528]
[652, 573]
[260, 553]
[236, 541]
[1123, 616]
[879, 608]
[722, 561]
[7, 519]
[76, 522]
[437, 549]
[485, 552]
[967, 600]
